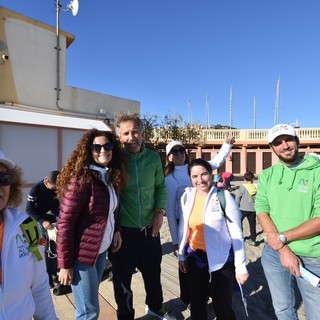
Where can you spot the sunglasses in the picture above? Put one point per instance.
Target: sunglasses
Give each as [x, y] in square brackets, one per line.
[6, 178]
[97, 147]
[177, 151]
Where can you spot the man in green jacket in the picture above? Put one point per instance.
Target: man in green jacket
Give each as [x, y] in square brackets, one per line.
[288, 209]
[142, 204]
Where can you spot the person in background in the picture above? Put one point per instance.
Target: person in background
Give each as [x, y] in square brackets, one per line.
[226, 177]
[245, 198]
[177, 179]
[25, 292]
[211, 251]
[142, 204]
[88, 188]
[288, 208]
[43, 206]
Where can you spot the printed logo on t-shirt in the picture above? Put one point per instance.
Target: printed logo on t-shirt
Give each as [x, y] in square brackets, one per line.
[22, 246]
[215, 205]
[303, 186]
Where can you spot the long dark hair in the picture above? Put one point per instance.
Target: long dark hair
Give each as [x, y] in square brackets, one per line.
[77, 166]
[169, 166]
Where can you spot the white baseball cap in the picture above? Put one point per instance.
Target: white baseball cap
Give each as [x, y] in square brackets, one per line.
[5, 161]
[279, 130]
[173, 144]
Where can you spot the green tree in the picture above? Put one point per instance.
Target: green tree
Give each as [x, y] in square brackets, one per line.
[159, 132]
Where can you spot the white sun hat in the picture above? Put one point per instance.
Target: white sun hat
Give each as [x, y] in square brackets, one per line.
[5, 161]
[173, 144]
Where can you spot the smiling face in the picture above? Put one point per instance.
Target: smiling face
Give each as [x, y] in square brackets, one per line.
[102, 157]
[4, 190]
[286, 148]
[177, 156]
[131, 136]
[201, 178]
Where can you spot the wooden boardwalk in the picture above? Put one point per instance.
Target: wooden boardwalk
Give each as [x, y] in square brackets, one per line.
[256, 290]
[65, 307]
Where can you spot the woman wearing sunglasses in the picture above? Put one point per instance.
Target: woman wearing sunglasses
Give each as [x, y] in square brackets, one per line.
[88, 188]
[177, 179]
[24, 291]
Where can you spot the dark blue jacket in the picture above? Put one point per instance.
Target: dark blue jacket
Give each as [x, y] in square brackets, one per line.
[42, 203]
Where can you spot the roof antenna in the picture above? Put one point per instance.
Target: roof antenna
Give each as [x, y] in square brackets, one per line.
[73, 6]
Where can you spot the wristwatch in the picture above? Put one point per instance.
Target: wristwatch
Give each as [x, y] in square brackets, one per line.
[161, 211]
[282, 238]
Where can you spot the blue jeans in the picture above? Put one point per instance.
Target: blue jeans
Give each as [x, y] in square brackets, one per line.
[282, 286]
[85, 288]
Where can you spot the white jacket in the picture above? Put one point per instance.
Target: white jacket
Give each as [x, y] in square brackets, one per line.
[24, 291]
[219, 233]
[177, 181]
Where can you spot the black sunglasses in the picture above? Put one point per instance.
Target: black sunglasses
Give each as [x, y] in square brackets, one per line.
[6, 178]
[176, 151]
[97, 147]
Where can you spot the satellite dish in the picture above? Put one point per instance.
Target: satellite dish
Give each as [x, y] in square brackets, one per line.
[74, 7]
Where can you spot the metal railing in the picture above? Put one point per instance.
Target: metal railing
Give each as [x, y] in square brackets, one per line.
[308, 135]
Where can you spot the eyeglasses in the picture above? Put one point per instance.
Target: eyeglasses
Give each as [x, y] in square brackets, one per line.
[6, 178]
[175, 152]
[97, 147]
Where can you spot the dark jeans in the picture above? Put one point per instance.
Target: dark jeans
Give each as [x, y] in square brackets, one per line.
[220, 289]
[251, 216]
[51, 258]
[138, 250]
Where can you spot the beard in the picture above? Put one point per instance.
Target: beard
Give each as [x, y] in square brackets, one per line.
[291, 159]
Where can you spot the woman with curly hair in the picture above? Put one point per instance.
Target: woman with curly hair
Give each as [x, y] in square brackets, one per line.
[88, 188]
[25, 292]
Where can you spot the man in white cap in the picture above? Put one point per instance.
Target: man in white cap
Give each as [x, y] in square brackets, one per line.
[288, 209]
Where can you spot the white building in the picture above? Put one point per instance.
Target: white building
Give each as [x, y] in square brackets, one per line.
[41, 117]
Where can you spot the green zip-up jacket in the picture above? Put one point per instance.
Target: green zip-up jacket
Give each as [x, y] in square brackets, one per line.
[291, 196]
[145, 190]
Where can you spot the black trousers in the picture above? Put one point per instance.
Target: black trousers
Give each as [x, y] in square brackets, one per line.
[184, 288]
[50, 253]
[138, 250]
[251, 216]
[51, 257]
[220, 289]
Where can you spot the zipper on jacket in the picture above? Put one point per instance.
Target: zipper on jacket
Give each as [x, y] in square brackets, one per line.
[138, 190]
[7, 237]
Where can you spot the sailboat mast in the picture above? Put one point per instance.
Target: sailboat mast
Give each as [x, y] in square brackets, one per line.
[230, 110]
[277, 104]
[207, 111]
[189, 111]
[254, 113]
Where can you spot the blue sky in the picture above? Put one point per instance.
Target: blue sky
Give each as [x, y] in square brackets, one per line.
[165, 52]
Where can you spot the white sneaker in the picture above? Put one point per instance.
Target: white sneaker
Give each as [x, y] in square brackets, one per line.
[164, 313]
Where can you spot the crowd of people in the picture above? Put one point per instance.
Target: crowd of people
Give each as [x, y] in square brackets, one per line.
[108, 203]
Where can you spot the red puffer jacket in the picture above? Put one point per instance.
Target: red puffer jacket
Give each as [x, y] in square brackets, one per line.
[82, 220]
